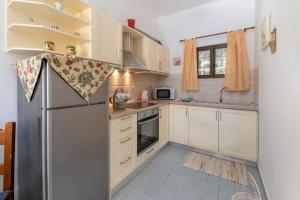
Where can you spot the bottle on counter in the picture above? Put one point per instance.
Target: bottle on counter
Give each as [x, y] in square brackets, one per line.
[150, 93]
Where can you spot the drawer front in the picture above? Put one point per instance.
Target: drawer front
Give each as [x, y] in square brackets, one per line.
[122, 148]
[121, 169]
[116, 123]
[124, 130]
[147, 154]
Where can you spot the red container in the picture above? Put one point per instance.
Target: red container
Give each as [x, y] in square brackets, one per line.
[131, 23]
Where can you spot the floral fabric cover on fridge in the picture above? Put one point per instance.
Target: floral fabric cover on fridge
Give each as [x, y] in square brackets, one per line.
[83, 75]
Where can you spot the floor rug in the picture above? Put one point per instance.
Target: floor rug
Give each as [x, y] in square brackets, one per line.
[232, 171]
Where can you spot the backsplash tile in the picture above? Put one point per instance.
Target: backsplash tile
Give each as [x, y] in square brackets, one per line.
[134, 83]
[209, 88]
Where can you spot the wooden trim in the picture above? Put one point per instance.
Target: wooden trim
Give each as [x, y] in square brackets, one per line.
[212, 49]
[206, 48]
[218, 46]
[221, 33]
[7, 169]
[2, 169]
[2, 137]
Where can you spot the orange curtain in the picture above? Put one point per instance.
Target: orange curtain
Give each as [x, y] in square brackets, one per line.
[237, 65]
[190, 75]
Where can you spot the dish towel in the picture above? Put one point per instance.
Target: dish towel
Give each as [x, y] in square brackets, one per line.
[83, 75]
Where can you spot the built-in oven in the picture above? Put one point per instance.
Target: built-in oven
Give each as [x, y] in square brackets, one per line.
[147, 129]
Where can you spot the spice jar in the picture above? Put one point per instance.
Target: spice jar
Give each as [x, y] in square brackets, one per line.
[71, 50]
[49, 46]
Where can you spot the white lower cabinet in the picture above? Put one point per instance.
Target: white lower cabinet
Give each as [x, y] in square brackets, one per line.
[164, 125]
[179, 124]
[122, 148]
[229, 132]
[238, 134]
[203, 128]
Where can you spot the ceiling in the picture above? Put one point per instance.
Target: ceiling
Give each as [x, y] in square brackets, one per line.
[167, 7]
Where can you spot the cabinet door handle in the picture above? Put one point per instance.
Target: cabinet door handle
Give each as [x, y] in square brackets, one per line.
[124, 141]
[220, 116]
[124, 118]
[150, 150]
[186, 112]
[125, 161]
[217, 115]
[160, 113]
[126, 129]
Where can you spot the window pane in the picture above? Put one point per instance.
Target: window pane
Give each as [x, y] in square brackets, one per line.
[204, 63]
[220, 62]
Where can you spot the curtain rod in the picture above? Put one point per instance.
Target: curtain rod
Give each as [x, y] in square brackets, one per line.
[222, 33]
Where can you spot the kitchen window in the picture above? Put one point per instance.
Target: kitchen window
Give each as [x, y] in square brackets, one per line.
[211, 61]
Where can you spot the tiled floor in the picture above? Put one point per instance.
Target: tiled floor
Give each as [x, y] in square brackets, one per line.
[165, 178]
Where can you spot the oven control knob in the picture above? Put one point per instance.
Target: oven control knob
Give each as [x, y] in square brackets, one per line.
[144, 114]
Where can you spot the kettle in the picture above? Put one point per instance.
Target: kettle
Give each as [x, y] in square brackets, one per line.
[145, 95]
[119, 99]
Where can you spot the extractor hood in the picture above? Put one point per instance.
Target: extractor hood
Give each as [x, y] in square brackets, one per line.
[130, 61]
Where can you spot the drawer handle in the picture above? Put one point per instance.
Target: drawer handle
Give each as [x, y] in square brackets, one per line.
[124, 162]
[124, 118]
[126, 129]
[124, 141]
[150, 150]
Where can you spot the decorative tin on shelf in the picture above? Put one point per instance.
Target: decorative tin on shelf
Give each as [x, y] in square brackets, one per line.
[49, 46]
[71, 50]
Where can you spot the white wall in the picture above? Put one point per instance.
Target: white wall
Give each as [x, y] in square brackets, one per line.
[219, 16]
[122, 10]
[8, 81]
[279, 101]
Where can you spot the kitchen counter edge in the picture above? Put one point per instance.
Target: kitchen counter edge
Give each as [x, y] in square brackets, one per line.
[114, 114]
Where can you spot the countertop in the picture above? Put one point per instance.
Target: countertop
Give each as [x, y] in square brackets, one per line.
[113, 114]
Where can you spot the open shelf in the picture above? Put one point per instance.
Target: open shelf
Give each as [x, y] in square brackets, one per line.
[28, 25]
[44, 10]
[29, 51]
[45, 31]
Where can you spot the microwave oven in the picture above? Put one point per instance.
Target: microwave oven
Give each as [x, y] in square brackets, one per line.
[164, 93]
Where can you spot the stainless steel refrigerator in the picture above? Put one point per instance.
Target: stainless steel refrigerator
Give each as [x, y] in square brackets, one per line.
[62, 142]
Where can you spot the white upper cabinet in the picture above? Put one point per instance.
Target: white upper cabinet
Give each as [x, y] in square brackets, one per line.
[164, 125]
[155, 56]
[163, 60]
[179, 124]
[147, 51]
[238, 134]
[107, 39]
[203, 128]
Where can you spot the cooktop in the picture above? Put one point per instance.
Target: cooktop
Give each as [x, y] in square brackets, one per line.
[139, 105]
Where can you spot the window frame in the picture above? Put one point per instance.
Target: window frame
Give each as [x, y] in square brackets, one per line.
[212, 49]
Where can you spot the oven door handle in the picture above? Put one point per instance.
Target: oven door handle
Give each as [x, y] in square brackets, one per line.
[149, 120]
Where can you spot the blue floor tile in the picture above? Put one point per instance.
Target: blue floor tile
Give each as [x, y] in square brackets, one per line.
[179, 180]
[157, 190]
[130, 194]
[157, 171]
[139, 182]
[182, 195]
[205, 189]
[165, 178]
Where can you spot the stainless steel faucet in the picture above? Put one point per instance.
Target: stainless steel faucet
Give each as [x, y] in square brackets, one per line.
[221, 95]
